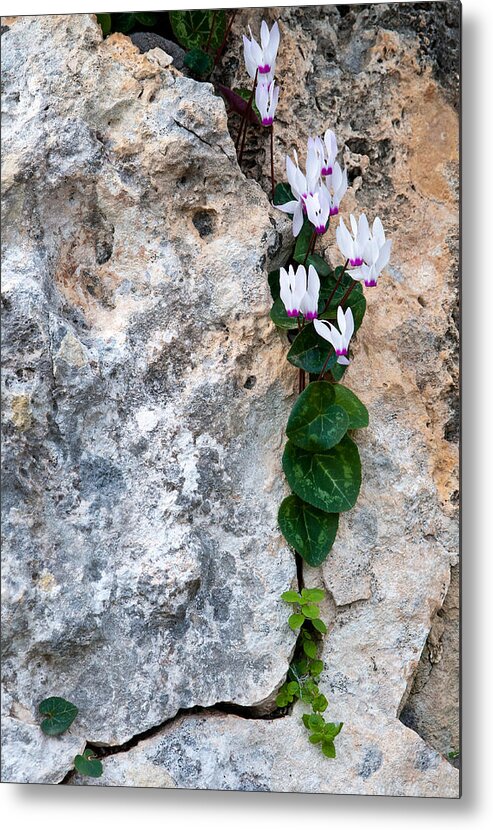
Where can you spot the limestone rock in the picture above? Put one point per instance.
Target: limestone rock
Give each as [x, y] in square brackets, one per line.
[144, 438]
[144, 395]
[375, 757]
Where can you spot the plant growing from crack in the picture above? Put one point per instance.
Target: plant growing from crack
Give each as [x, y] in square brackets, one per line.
[59, 714]
[306, 668]
[320, 308]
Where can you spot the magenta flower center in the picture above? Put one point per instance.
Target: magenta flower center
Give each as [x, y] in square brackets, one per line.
[370, 283]
[341, 352]
[293, 312]
[334, 211]
[326, 171]
[356, 262]
[263, 70]
[311, 315]
[267, 122]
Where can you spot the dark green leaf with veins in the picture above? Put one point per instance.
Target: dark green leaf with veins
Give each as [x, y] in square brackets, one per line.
[316, 423]
[328, 480]
[193, 28]
[280, 318]
[88, 764]
[303, 241]
[357, 412]
[282, 194]
[310, 351]
[311, 532]
[60, 714]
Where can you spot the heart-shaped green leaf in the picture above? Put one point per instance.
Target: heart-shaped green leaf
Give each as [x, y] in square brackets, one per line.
[328, 480]
[60, 714]
[88, 764]
[357, 412]
[310, 531]
[316, 423]
[313, 594]
[310, 352]
[328, 749]
[193, 28]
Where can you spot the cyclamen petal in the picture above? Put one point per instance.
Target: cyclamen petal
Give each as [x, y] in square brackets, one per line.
[261, 59]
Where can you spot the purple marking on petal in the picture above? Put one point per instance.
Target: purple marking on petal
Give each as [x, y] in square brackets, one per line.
[293, 313]
[263, 70]
[334, 211]
[370, 283]
[311, 315]
[267, 122]
[355, 263]
[326, 171]
[320, 229]
[341, 352]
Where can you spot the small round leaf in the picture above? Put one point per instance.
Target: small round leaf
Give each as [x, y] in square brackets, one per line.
[60, 714]
[88, 764]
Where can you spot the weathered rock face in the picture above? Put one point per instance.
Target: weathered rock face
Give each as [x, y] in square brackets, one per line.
[144, 437]
[143, 403]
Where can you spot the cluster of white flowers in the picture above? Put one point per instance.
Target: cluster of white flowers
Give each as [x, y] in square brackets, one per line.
[317, 195]
[260, 62]
[318, 192]
[368, 252]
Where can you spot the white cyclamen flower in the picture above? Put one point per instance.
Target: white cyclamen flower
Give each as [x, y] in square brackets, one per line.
[353, 247]
[262, 58]
[298, 295]
[339, 339]
[318, 208]
[266, 98]
[301, 185]
[338, 185]
[376, 256]
[376, 260]
[309, 302]
[327, 150]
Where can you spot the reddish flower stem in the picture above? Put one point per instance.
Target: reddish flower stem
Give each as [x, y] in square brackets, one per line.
[272, 161]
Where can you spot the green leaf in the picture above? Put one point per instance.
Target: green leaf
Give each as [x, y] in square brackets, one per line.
[306, 720]
[199, 62]
[290, 596]
[60, 714]
[316, 738]
[282, 700]
[357, 412]
[192, 28]
[328, 749]
[328, 480]
[311, 532]
[316, 668]
[316, 722]
[320, 703]
[310, 352]
[313, 594]
[275, 288]
[316, 423]
[104, 21]
[293, 688]
[320, 626]
[88, 764]
[311, 612]
[310, 649]
[124, 22]
[146, 18]
[282, 194]
[303, 241]
[331, 730]
[321, 266]
[296, 621]
[280, 318]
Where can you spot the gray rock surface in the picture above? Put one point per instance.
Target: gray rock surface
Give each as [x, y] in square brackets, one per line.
[143, 437]
[143, 404]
